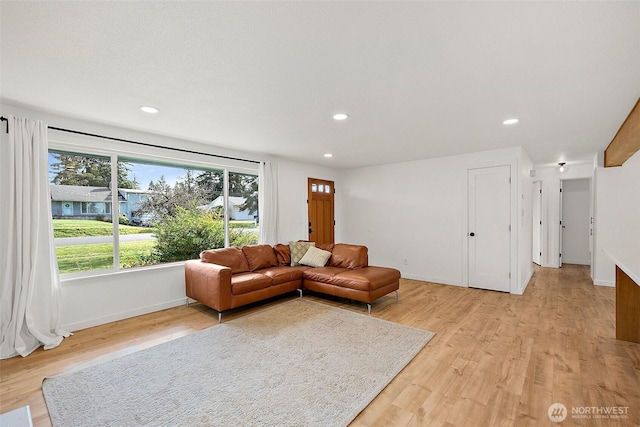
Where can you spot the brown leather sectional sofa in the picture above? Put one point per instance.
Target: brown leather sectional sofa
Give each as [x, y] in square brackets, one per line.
[232, 277]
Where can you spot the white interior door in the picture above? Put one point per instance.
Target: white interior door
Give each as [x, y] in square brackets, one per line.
[489, 232]
[575, 221]
[537, 223]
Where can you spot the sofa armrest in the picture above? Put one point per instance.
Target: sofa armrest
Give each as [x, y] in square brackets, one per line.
[208, 283]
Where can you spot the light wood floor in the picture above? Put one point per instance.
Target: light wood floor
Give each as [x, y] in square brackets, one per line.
[497, 359]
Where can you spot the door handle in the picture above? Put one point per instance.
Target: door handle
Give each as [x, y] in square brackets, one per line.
[310, 231]
[472, 234]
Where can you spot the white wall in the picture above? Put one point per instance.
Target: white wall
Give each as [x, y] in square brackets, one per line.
[617, 194]
[95, 300]
[525, 224]
[551, 178]
[417, 211]
[91, 301]
[292, 195]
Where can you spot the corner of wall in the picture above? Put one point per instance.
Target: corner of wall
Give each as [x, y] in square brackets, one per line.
[617, 223]
[524, 283]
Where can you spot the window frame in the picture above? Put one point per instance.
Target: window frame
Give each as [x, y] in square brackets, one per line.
[75, 144]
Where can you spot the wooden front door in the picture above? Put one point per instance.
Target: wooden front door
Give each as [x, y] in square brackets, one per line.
[321, 224]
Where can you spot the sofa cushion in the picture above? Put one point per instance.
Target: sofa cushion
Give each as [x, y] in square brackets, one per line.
[366, 279]
[247, 282]
[349, 256]
[260, 256]
[298, 249]
[315, 257]
[284, 274]
[229, 257]
[323, 274]
[283, 254]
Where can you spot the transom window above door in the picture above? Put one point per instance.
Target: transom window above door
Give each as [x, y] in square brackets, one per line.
[320, 188]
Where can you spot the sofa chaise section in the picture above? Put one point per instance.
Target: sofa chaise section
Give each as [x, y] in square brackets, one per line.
[349, 275]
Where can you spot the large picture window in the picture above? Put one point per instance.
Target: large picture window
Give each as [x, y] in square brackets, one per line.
[165, 212]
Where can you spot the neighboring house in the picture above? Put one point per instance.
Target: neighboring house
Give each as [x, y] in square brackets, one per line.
[76, 201]
[235, 203]
[131, 200]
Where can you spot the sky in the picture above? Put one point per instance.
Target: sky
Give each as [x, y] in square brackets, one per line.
[145, 173]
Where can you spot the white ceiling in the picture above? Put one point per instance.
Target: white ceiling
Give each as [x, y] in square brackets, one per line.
[418, 79]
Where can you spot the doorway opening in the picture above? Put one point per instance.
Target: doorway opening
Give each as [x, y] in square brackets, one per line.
[576, 228]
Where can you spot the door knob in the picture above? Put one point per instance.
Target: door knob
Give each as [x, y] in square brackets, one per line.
[472, 234]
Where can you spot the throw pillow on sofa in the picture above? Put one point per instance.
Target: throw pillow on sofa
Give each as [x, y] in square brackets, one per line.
[260, 256]
[349, 256]
[315, 257]
[283, 254]
[325, 246]
[298, 249]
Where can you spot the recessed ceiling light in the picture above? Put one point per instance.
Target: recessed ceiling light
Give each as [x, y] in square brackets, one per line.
[328, 155]
[510, 121]
[149, 109]
[340, 116]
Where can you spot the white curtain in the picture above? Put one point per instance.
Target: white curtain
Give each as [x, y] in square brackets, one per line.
[268, 203]
[29, 293]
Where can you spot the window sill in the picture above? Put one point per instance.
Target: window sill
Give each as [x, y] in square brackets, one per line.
[78, 278]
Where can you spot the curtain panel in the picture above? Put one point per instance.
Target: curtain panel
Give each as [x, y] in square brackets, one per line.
[30, 285]
[268, 203]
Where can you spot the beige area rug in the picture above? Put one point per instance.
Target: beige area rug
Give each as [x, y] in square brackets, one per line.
[299, 363]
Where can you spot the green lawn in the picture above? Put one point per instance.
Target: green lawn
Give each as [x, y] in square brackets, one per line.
[242, 224]
[90, 227]
[99, 256]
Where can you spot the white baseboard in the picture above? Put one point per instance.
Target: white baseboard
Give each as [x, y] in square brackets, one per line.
[576, 261]
[608, 283]
[431, 280]
[72, 327]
